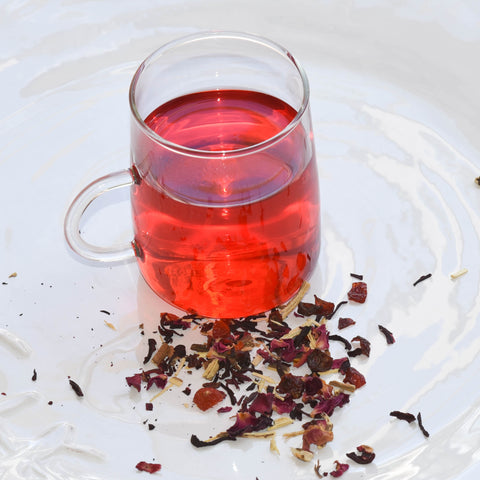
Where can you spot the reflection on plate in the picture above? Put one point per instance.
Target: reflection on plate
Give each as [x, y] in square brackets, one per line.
[394, 124]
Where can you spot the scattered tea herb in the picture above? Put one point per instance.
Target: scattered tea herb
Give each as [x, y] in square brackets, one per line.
[106, 312]
[358, 292]
[76, 388]
[339, 338]
[477, 181]
[344, 302]
[420, 425]
[356, 276]
[363, 349]
[231, 359]
[388, 335]
[365, 456]
[422, 278]
[196, 442]
[149, 406]
[408, 417]
[34, 376]
[152, 346]
[316, 469]
[148, 467]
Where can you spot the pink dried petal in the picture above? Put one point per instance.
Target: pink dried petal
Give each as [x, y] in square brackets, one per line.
[340, 469]
[159, 381]
[135, 381]
[262, 403]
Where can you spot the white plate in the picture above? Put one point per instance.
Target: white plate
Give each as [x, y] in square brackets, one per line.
[395, 102]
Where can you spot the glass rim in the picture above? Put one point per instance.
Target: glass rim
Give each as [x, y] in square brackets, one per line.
[219, 153]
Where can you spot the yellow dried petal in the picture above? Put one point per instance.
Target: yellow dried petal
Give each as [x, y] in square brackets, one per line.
[303, 455]
[264, 377]
[461, 272]
[287, 309]
[110, 325]
[273, 446]
[211, 370]
[280, 423]
[342, 386]
[176, 381]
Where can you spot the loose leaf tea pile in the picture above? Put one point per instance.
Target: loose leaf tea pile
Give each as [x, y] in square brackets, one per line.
[269, 372]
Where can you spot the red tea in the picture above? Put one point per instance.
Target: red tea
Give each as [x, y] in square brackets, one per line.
[226, 236]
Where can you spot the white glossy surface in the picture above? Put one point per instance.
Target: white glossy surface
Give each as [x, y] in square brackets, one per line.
[395, 103]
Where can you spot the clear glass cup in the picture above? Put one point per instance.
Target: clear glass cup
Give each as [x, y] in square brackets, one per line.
[223, 176]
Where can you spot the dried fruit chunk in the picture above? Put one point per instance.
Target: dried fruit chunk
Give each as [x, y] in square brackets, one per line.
[220, 329]
[354, 377]
[207, 397]
[148, 467]
[358, 292]
[345, 322]
[291, 384]
[319, 361]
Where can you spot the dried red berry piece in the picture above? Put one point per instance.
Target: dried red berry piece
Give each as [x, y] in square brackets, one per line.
[291, 384]
[220, 329]
[345, 322]
[207, 397]
[327, 307]
[148, 467]
[319, 361]
[366, 455]
[358, 292]
[354, 377]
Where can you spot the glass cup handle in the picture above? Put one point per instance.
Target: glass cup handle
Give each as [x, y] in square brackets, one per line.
[122, 178]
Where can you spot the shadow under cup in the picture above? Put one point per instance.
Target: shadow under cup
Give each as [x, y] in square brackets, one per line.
[225, 194]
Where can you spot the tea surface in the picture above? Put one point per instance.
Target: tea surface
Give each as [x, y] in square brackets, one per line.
[233, 236]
